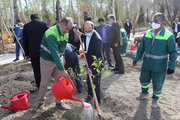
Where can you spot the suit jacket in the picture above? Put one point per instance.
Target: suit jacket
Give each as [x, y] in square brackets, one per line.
[99, 30]
[178, 28]
[128, 28]
[95, 48]
[115, 37]
[32, 35]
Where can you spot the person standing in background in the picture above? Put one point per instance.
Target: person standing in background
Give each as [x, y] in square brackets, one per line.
[104, 31]
[128, 28]
[115, 40]
[176, 29]
[19, 34]
[32, 36]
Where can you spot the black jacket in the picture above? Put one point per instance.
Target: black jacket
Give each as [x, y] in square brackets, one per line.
[95, 48]
[32, 36]
[115, 37]
[128, 28]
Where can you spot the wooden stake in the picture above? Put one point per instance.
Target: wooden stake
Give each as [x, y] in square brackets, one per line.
[16, 38]
[91, 81]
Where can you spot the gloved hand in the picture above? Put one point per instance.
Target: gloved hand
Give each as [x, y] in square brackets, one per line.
[169, 71]
[134, 63]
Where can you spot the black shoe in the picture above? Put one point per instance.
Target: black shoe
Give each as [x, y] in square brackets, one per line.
[88, 99]
[115, 69]
[119, 72]
[111, 65]
[16, 59]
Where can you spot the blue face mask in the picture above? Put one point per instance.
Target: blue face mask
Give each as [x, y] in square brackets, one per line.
[89, 34]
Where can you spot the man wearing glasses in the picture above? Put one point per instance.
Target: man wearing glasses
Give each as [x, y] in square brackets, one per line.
[157, 45]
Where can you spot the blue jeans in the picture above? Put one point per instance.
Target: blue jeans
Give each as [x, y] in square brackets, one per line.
[18, 48]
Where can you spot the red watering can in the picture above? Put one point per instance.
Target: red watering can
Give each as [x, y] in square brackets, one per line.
[132, 46]
[19, 102]
[64, 89]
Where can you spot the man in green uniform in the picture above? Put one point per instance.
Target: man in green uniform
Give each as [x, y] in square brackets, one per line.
[157, 45]
[125, 42]
[52, 49]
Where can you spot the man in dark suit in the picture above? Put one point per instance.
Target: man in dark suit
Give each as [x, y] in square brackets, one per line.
[104, 31]
[128, 27]
[72, 62]
[93, 49]
[176, 29]
[32, 36]
[115, 40]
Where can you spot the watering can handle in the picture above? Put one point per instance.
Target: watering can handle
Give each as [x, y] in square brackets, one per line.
[72, 84]
[58, 79]
[21, 93]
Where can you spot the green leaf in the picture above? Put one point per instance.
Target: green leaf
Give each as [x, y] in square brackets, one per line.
[98, 71]
[82, 70]
[94, 87]
[106, 73]
[94, 57]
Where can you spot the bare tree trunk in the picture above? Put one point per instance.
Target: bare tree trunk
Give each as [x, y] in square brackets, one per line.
[5, 10]
[69, 8]
[169, 14]
[113, 8]
[22, 12]
[135, 22]
[101, 7]
[43, 9]
[72, 8]
[54, 9]
[79, 13]
[16, 10]
[58, 10]
[94, 10]
[27, 8]
[11, 12]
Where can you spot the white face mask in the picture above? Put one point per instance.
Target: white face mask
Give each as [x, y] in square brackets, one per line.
[155, 25]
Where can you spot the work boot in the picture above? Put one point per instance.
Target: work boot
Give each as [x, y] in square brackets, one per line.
[154, 103]
[115, 69]
[16, 59]
[119, 72]
[143, 96]
[111, 65]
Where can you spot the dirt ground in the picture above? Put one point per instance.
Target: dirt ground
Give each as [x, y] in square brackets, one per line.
[119, 93]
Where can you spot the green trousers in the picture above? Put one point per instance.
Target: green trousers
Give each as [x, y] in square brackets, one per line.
[124, 47]
[157, 81]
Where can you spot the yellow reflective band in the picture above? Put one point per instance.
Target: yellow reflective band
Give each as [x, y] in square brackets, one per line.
[145, 86]
[157, 95]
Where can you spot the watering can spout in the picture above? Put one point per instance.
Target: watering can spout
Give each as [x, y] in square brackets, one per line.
[6, 107]
[75, 99]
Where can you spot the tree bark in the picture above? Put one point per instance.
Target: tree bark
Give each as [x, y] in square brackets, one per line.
[58, 10]
[79, 13]
[5, 10]
[11, 12]
[16, 11]
[135, 22]
[54, 9]
[113, 9]
[94, 10]
[22, 12]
